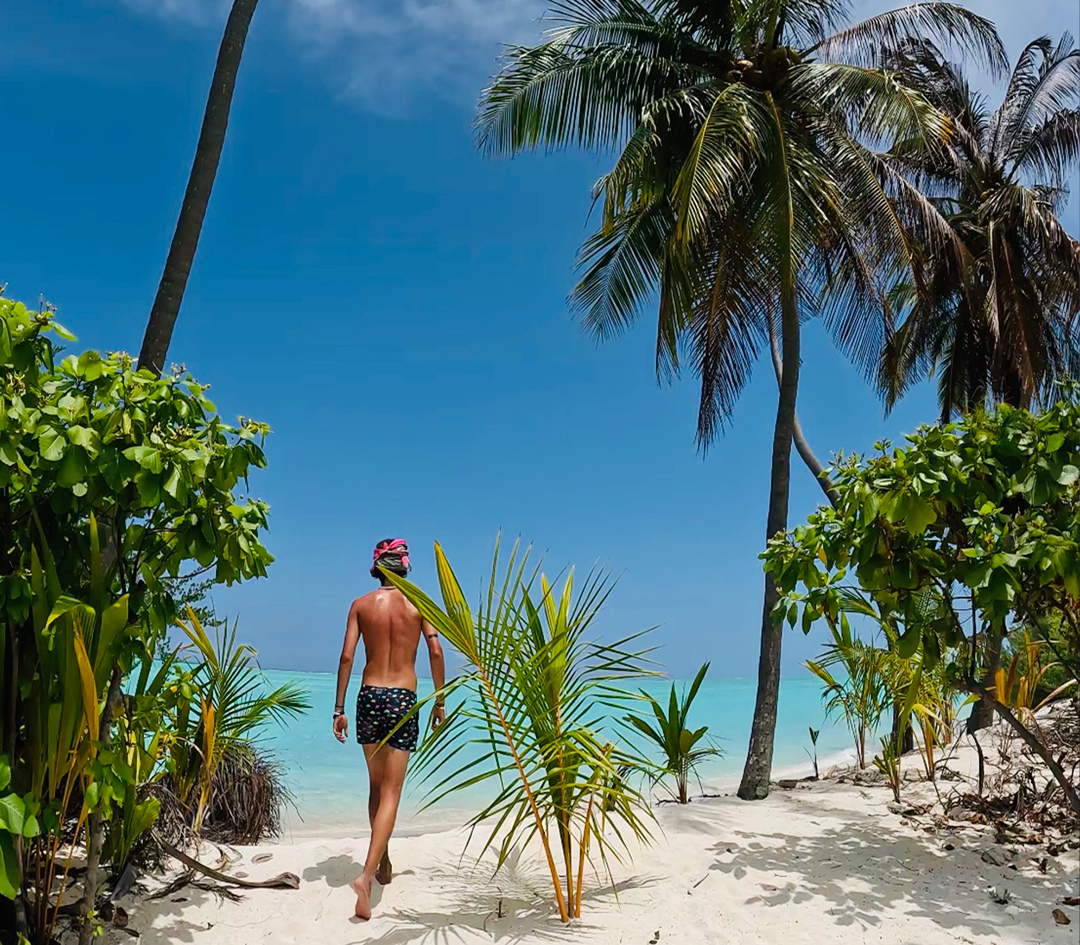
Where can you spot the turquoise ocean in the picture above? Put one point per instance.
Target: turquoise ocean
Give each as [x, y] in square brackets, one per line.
[329, 782]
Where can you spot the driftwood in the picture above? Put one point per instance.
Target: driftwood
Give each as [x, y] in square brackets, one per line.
[281, 881]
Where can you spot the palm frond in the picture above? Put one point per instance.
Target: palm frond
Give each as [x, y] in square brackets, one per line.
[946, 24]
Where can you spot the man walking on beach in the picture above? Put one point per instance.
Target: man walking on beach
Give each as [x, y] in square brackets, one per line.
[391, 628]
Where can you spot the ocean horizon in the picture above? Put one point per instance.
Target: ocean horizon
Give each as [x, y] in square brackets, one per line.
[328, 780]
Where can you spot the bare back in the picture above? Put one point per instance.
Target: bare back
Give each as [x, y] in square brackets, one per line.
[390, 627]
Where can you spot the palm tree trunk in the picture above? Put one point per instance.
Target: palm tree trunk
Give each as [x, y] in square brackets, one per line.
[809, 458]
[170, 293]
[758, 768]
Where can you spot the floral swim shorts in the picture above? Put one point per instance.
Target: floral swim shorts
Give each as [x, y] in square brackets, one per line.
[378, 711]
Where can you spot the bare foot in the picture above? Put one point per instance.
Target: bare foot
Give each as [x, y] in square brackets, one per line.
[362, 887]
[384, 875]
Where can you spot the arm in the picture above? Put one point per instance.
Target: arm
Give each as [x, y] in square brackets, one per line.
[345, 664]
[438, 672]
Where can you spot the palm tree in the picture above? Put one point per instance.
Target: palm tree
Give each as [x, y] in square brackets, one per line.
[170, 293]
[743, 183]
[1000, 319]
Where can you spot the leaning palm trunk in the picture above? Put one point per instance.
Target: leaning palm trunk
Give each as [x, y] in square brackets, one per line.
[805, 451]
[170, 293]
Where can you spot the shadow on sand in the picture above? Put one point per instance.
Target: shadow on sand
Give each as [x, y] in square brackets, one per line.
[473, 906]
[861, 867]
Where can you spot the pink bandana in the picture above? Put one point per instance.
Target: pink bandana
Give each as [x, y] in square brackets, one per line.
[397, 546]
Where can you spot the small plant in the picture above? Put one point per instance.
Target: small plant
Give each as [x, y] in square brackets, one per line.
[680, 745]
[537, 692]
[814, 733]
[221, 708]
[888, 763]
[861, 694]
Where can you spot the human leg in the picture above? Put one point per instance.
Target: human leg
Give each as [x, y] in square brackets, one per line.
[386, 768]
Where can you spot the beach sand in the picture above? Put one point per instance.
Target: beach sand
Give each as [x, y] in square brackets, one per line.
[823, 862]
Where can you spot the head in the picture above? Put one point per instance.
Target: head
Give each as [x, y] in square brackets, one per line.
[393, 555]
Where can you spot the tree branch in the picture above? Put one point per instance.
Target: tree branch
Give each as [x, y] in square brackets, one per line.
[1028, 739]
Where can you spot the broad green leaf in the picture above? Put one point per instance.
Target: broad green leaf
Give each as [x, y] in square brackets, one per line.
[908, 642]
[53, 446]
[146, 456]
[12, 814]
[9, 867]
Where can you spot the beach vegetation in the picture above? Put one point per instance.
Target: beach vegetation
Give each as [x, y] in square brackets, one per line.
[815, 733]
[543, 700]
[888, 763]
[859, 690]
[115, 486]
[748, 191]
[683, 748]
[220, 707]
[981, 517]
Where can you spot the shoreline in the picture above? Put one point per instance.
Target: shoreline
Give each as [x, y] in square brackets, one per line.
[325, 823]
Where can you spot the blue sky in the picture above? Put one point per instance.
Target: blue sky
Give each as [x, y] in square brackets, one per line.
[393, 305]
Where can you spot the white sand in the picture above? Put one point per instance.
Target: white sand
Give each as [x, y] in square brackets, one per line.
[826, 862]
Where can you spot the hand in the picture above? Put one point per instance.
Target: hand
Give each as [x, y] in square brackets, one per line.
[341, 727]
[438, 715]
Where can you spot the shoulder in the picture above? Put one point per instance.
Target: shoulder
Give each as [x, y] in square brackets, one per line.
[361, 603]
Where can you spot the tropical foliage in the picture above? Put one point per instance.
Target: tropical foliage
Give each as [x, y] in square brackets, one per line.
[536, 697]
[859, 692]
[682, 748]
[999, 319]
[969, 528]
[114, 487]
[222, 706]
[746, 191]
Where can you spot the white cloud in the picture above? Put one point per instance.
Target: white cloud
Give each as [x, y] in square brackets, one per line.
[386, 52]
[389, 53]
[191, 11]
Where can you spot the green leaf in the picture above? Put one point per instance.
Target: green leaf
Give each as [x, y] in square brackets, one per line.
[920, 515]
[9, 867]
[908, 642]
[53, 446]
[72, 469]
[86, 438]
[12, 814]
[1069, 475]
[5, 772]
[146, 456]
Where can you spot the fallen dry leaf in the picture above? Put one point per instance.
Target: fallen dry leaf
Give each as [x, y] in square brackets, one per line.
[1071, 901]
[1060, 918]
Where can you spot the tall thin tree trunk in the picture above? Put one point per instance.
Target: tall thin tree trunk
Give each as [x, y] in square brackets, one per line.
[170, 293]
[758, 768]
[809, 458]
